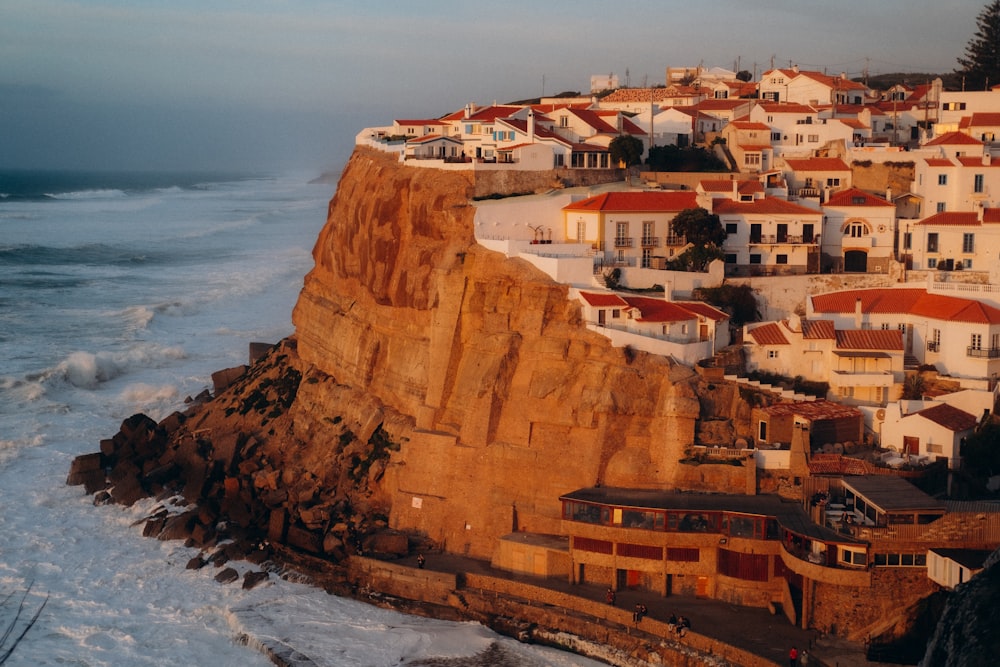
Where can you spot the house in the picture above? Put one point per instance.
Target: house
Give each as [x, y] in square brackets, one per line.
[816, 178]
[935, 432]
[798, 129]
[859, 232]
[629, 228]
[812, 88]
[749, 143]
[673, 126]
[769, 236]
[688, 331]
[955, 240]
[960, 337]
[861, 367]
[434, 146]
[957, 183]
[820, 423]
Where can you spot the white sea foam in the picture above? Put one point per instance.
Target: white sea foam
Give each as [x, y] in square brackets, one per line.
[88, 194]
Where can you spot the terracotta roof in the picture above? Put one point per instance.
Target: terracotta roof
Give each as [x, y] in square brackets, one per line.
[950, 417]
[939, 162]
[814, 410]
[954, 138]
[652, 201]
[605, 299]
[914, 301]
[835, 82]
[856, 197]
[652, 309]
[756, 147]
[817, 164]
[785, 107]
[961, 218]
[767, 205]
[984, 119]
[870, 339]
[427, 138]
[420, 122]
[853, 123]
[723, 185]
[991, 215]
[712, 104]
[818, 329]
[768, 334]
[977, 161]
[748, 125]
[704, 309]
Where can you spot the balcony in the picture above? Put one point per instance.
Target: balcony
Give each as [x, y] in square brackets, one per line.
[650, 241]
[675, 240]
[779, 239]
[623, 241]
[983, 353]
[862, 378]
[806, 193]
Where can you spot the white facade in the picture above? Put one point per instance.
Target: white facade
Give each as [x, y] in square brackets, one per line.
[859, 231]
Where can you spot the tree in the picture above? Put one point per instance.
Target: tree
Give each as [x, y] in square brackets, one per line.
[737, 300]
[625, 149]
[699, 227]
[981, 64]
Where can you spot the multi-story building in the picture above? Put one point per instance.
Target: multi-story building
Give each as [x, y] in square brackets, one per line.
[859, 232]
[769, 236]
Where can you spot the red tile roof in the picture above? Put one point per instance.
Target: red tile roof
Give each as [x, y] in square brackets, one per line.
[767, 205]
[950, 417]
[768, 334]
[914, 301]
[870, 339]
[748, 125]
[652, 309]
[814, 410]
[939, 162]
[651, 201]
[991, 215]
[604, 299]
[785, 107]
[818, 329]
[703, 309]
[961, 218]
[856, 197]
[817, 164]
[984, 119]
[722, 185]
[420, 122]
[954, 138]
[433, 137]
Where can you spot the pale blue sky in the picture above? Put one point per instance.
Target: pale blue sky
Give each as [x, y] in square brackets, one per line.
[254, 84]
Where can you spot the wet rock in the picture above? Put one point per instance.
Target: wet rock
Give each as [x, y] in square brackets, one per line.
[196, 563]
[227, 576]
[253, 579]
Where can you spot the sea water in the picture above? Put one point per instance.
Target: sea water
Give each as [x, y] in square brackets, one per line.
[122, 293]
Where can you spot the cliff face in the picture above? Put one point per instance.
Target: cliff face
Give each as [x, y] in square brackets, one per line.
[478, 366]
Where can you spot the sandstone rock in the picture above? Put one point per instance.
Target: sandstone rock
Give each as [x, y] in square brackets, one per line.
[225, 377]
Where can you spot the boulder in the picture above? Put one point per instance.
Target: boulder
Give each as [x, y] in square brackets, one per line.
[225, 377]
[252, 579]
[227, 576]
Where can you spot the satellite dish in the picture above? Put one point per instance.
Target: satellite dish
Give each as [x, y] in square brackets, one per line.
[880, 414]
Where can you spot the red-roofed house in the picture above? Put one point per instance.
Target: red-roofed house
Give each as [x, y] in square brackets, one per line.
[797, 129]
[957, 182]
[816, 177]
[769, 236]
[861, 366]
[810, 87]
[750, 145]
[629, 228]
[859, 230]
[960, 337]
[686, 330]
[934, 432]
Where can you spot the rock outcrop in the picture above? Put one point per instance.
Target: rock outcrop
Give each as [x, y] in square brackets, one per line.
[433, 390]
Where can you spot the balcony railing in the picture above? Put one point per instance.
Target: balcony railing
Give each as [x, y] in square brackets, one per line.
[933, 347]
[674, 239]
[774, 239]
[623, 241]
[650, 241]
[983, 353]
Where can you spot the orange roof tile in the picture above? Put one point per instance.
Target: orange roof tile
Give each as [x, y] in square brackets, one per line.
[814, 410]
[652, 201]
[870, 339]
[768, 334]
[991, 215]
[818, 330]
[704, 309]
[961, 218]
[748, 125]
[984, 119]
[950, 417]
[603, 299]
[767, 205]
[914, 301]
[954, 138]
[856, 197]
[817, 164]
[939, 162]
[659, 310]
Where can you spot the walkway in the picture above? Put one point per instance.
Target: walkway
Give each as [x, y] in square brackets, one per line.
[754, 630]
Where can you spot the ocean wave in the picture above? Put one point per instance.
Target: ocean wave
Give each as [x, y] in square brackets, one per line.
[140, 396]
[89, 194]
[87, 370]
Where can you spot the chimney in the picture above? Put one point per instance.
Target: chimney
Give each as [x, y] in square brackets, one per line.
[668, 292]
[795, 68]
[468, 109]
[857, 313]
[531, 126]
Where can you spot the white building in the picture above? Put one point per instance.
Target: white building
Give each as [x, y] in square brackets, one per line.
[859, 231]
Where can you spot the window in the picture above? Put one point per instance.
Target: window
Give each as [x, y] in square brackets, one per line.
[976, 342]
[885, 326]
[942, 179]
[731, 227]
[762, 431]
[781, 259]
[813, 138]
[936, 339]
[772, 354]
[857, 230]
[940, 207]
[731, 258]
[775, 136]
[977, 185]
[755, 258]
[932, 242]
[907, 240]
[857, 201]
[931, 263]
[751, 159]
[968, 242]
[833, 182]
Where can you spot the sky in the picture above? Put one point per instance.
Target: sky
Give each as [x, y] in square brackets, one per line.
[259, 85]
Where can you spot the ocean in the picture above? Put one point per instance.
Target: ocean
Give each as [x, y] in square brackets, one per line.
[122, 293]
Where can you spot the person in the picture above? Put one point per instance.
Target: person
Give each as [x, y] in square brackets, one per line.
[611, 597]
[683, 624]
[672, 621]
[804, 658]
[793, 657]
[420, 561]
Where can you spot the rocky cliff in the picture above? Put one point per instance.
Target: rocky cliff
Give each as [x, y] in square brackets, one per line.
[477, 365]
